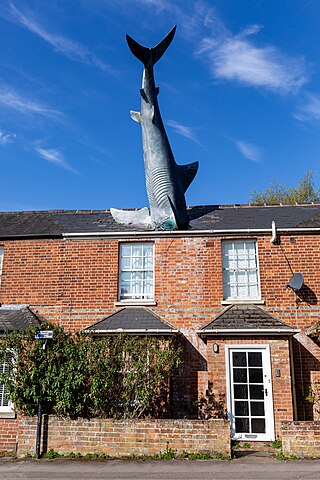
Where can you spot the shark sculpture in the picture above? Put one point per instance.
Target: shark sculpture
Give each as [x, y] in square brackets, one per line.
[166, 181]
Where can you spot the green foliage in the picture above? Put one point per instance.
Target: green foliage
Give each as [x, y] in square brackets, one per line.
[52, 454]
[277, 443]
[279, 193]
[314, 396]
[221, 456]
[209, 406]
[168, 454]
[78, 375]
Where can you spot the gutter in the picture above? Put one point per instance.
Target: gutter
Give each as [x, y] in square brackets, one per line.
[135, 331]
[184, 233]
[249, 331]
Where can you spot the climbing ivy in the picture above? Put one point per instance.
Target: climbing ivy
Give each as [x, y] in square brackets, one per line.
[77, 375]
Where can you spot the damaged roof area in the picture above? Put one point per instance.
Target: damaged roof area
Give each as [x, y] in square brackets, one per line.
[58, 223]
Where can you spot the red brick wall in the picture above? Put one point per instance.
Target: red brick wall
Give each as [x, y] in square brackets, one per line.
[77, 279]
[8, 434]
[75, 283]
[126, 437]
[301, 439]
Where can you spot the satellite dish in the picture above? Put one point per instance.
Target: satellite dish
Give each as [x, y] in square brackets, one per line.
[296, 281]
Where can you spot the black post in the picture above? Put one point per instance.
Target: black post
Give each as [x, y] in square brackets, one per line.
[39, 423]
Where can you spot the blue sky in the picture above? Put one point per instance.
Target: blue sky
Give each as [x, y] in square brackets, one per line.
[239, 92]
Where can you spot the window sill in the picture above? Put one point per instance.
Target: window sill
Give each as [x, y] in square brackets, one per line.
[247, 301]
[135, 303]
[9, 414]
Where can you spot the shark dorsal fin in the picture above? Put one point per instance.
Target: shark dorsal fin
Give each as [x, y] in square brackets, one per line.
[187, 173]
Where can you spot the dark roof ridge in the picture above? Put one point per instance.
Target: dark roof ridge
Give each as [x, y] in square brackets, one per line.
[190, 207]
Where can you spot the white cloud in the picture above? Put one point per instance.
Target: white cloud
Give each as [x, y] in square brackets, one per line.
[70, 48]
[248, 150]
[310, 109]
[53, 155]
[11, 99]
[6, 137]
[235, 57]
[183, 130]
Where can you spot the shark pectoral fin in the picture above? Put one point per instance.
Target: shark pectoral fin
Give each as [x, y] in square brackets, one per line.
[157, 90]
[187, 174]
[143, 95]
[159, 49]
[136, 116]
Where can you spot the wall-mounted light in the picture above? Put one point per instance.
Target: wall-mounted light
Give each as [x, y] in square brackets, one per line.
[216, 348]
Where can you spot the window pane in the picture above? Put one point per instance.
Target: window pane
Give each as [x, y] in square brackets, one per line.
[137, 263]
[241, 408]
[136, 250]
[258, 425]
[240, 375]
[255, 359]
[239, 359]
[126, 250]
[257, 409]
[242, 425]
[255, 375]
[240, 391]
[256, 392]
[126, 263]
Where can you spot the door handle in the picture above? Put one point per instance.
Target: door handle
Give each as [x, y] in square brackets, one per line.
[266, 392]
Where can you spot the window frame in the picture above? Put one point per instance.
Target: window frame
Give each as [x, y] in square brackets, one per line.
[239, 299]
[5, 408]
[143, 299]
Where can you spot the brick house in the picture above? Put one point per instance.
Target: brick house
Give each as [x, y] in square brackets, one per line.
[221, 285]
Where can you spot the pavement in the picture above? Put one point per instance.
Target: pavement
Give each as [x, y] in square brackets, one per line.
[248, 468]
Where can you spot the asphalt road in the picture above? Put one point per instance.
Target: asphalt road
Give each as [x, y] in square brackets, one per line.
[242, 468]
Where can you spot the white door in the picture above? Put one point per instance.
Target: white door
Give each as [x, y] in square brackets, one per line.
[250, 404]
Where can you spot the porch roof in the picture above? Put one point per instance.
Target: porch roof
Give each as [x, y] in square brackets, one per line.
[246, 319]
[134, 321]
[17, 317]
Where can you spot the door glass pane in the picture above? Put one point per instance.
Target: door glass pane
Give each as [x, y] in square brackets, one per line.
[257, 409]
[239, 359]
[255, 375]
[241, 408]
[242, 425]
[258, 425]
[240, 391]
[240, 375]
[255, 359]
[256, 392]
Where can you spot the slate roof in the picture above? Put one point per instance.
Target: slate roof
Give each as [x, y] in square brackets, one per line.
[250, 318]
[17, 317]
[54, 223]
[135, 320]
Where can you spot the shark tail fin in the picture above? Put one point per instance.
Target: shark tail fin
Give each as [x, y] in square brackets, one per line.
[187, 173]
[142, 53]
[159, 49]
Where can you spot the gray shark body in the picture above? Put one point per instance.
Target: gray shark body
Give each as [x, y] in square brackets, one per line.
[166, 181]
